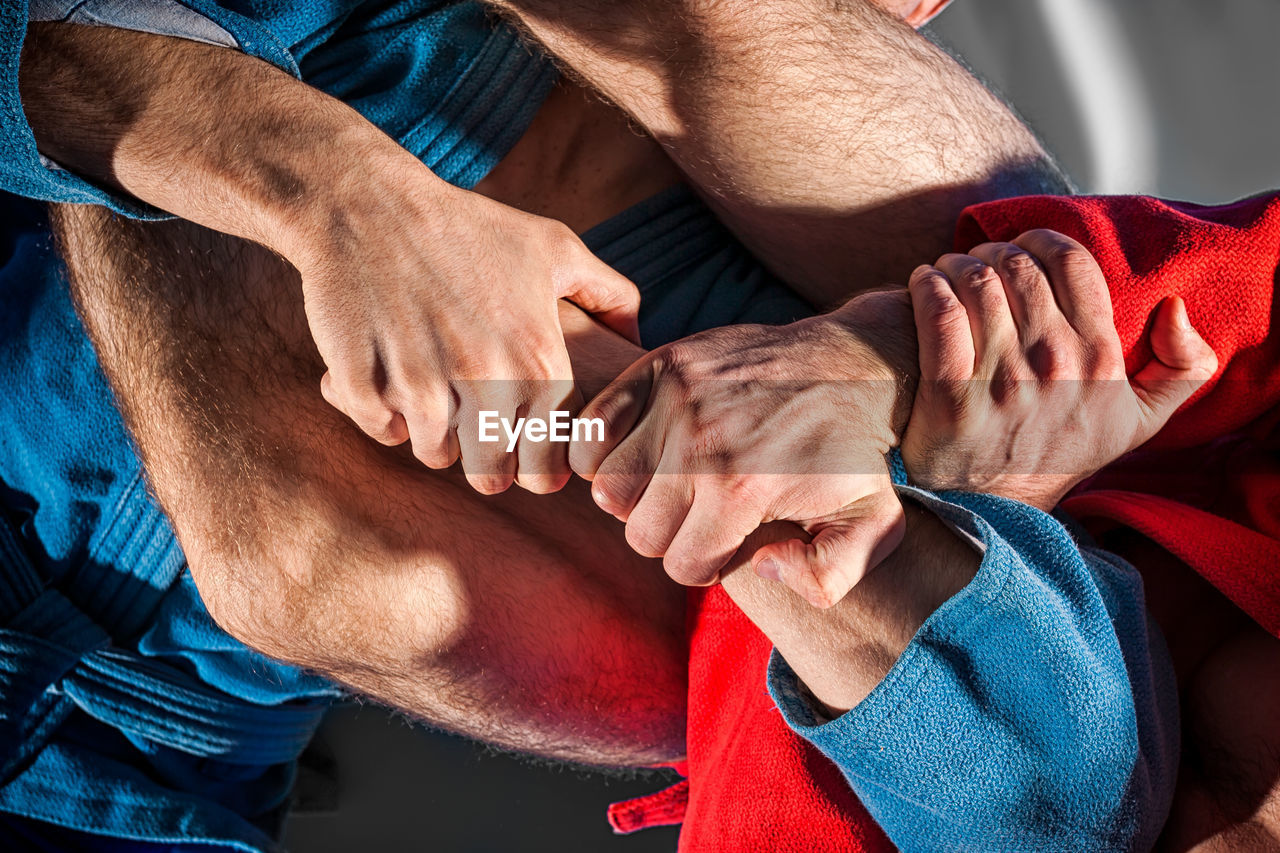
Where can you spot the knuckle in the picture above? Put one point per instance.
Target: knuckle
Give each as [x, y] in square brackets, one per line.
[1106, 362]
[943, 308]
[674, 358]
[1069, 257]
[1007, 389]
[376, 420]
[560, 240]
[429, 400]
[1053, 360]
[979, 277]
[1016, 263]
[434, 455]
[710, 450]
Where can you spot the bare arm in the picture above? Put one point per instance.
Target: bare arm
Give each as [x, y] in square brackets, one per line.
[528, 623]
[388, 253]
[519, 619]
[838, 144]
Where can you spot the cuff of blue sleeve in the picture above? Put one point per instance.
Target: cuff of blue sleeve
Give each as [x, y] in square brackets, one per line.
[862, 724]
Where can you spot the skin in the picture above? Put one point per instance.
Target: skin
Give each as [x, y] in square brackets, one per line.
[285, 610]
[905, 140]
[712, 436]
[325, 560]
[387, 252]
[131, 66]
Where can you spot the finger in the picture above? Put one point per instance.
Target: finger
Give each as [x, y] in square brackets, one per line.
[1035, 312]
[623, 477]
[601, 291]
[713, 530]
[841, 553]
[942, 327]
[542, 464]
[1079, 287]
[486, 420]
[1183, 362]
[981, 292]
[660, 512]
[435, 444]
[620, 406]
[367, 410]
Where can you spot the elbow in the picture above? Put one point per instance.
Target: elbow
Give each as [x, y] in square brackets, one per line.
[331, 603]
[256, 600]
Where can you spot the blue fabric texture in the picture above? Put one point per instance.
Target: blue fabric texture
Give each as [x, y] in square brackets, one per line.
[123, 708]
[452, 86]
[162, 17]
[1034, 710]
[691, 272]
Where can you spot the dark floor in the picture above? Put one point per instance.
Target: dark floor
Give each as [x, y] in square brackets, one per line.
[405, 788]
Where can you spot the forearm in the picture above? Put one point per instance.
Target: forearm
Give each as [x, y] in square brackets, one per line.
[206, 133]
[843, 652]
[519, 619]
[839, 144]
[1036, 708]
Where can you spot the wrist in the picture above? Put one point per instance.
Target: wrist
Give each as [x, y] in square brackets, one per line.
[317, 216]
[880, 343]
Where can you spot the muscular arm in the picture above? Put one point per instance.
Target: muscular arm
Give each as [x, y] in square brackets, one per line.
[518, 619]
[203, 132]
[522, 620]
[837, 143]
[527, 623]
[388, 252]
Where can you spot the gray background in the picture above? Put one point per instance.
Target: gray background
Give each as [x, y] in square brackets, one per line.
[1166, 97]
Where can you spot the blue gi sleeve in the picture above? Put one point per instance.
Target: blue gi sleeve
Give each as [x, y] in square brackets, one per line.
[1034, 710]
[23, 171]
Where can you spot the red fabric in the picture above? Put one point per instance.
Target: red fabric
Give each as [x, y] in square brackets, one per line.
[1207, 489]
[665, 808]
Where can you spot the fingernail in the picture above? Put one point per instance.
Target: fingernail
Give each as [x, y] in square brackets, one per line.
[1180, 318]
[602, 500]
[769, 570]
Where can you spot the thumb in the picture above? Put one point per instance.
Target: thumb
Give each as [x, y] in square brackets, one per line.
[608, 296]
[1183, 362]
[843, 551]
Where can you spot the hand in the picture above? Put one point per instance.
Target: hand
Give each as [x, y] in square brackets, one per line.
[1023, 391]
[449, 309]
[427, 303]
[710, 437]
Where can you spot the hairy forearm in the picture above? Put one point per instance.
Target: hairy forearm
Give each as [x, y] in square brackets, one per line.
[838, 144]
[843, 652]
[208, 134]
[519, 619]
